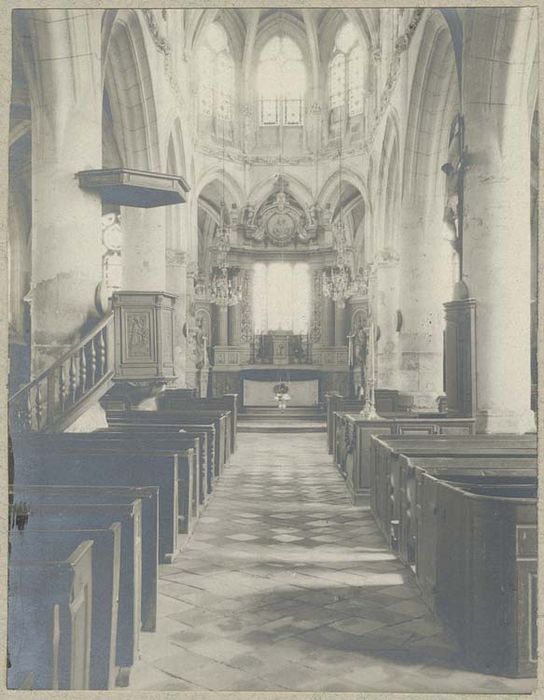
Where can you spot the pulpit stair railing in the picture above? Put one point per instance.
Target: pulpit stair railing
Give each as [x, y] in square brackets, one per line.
[57, 396]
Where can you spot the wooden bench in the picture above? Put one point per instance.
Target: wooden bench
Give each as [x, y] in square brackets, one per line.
[204, 445]
[385, 470]
[150, 442]
[30, 545]
[49, 620]
[182, 420]
[352, 447]
[188, 449]
[482, 471]
[176, 400]
[81, 464]
[388, 402]
[35, 495]
[91, 516]
[482, 557]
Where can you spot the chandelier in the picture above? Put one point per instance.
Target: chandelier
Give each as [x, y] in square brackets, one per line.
[225, 287]
[339, 281]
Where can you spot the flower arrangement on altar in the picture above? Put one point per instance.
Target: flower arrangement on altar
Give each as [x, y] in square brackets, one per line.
[281, 394]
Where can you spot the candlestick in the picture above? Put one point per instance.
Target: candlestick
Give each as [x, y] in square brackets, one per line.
[369, 409]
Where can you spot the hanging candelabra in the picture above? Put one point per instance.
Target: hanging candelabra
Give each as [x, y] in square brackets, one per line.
[339, 281]
[225, 288]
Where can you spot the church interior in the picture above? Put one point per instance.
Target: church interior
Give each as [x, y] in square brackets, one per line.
[272, 336]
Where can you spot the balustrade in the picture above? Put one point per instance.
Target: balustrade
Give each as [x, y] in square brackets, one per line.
[42, 403]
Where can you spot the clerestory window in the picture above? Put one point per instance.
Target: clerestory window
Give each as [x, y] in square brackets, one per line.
[281, 83]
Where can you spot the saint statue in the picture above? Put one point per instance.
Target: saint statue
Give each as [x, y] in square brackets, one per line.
[453, 170]
[200, 349]
[360, 347]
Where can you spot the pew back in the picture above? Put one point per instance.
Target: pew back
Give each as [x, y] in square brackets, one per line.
[59, 592]
[385, 475]
[485, 547]
[28, 545]
[91, 516]
[87, 465]
[175, 399]
[36, 495]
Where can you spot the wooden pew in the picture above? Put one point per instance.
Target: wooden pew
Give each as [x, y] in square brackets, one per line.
[484, 543]
[49, 621]
[385, 471]
[92, 516]
[203, 442]
[108, 464]
[30, 545]
[352, 446]
[186, 446]
[388, 402]
[182, 420]
[482, 471]
[188, 496]
[176, 399]
[149, 497]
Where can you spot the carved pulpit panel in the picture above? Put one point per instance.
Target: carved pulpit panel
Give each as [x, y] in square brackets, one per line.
[144, 336]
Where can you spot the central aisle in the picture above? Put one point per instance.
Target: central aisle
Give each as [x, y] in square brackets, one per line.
[287, 586]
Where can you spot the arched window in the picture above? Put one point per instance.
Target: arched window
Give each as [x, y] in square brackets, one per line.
[281, 82]
[216, 74]
[346, 77]
[281, 297]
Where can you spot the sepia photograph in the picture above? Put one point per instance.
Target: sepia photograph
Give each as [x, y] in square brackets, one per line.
[270, 316]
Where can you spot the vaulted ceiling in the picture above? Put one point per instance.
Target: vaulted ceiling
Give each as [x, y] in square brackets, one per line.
[246, 25]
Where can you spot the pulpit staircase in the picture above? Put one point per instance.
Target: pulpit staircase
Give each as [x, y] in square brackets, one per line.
[307, 419]
[58, 396]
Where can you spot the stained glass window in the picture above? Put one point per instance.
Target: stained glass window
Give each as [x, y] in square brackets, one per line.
[355, 81]
[281, 297]
[337, 81]
[281, 82]
[346, 72]
[216, 74]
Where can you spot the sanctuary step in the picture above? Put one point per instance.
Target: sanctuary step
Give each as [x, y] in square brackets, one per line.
[272, 420]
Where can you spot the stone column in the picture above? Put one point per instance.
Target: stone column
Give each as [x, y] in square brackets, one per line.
[497, 263]
[176, 283]
[66, 220]
[234, 324]
[222, 324]
[144, 264]
[387, 305]
[327, 332]
[340, 323]
[424, 287]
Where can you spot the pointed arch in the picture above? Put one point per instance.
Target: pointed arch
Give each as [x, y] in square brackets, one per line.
[434, 100]
[389, 186]
[232, 186]
[329, 193]
[297, 187]
[128, 82]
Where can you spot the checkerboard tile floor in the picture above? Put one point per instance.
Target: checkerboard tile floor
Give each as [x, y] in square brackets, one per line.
[287, 586]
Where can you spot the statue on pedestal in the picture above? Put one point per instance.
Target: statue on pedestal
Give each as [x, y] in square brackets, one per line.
[453, 169]
[360, 352]
[200, 344]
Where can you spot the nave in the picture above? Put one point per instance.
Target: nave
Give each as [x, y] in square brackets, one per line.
[268, 223]
[285, 585]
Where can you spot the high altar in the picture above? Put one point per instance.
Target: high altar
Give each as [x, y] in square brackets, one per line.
[280, 230]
